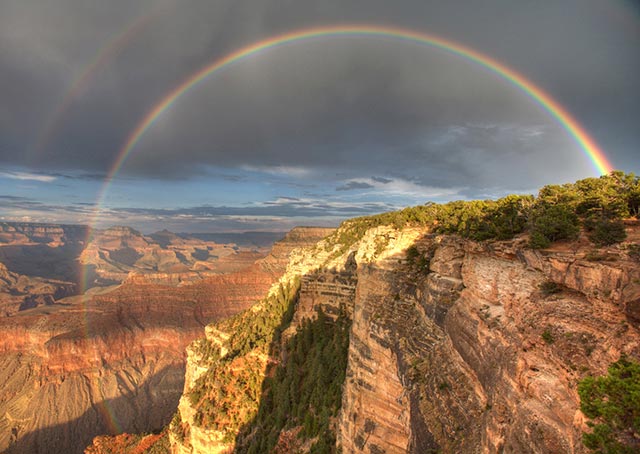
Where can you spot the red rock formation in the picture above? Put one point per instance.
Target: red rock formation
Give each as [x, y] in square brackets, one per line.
[19, 292]
[463, 350]
[114, 362]
[481, 358]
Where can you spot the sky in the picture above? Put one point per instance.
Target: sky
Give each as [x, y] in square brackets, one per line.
[308, 133]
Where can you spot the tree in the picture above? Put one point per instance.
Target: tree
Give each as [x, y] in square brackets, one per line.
[612, 403]
[605, 232]
[551, 223]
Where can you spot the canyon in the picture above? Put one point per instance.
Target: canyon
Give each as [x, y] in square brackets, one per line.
[40, 264]
[454, 346]
[112, 359]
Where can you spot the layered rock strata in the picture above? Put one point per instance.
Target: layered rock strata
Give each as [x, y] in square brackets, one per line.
[468, 347]
[113, 362]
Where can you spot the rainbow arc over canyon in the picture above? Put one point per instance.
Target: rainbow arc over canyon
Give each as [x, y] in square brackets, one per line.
[590, 148]
[587, 144]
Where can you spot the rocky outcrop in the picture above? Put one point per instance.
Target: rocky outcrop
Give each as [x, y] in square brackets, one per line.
[466, 347]
[21, 233]
[118, 251]
[280, 257]
[19, 292]
[488, 360]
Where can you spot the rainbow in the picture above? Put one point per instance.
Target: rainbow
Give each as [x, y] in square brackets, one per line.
[104, 56]
[590, 148]
[566, 120]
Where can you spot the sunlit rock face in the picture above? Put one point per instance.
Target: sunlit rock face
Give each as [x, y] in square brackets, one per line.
[473, 355]
[464, 349]
[114, 361]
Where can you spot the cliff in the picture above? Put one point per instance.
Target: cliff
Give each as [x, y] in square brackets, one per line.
[454, 346]
[486, 346]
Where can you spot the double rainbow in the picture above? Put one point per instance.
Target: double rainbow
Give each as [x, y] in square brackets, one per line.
[564, 118]
[79, 85]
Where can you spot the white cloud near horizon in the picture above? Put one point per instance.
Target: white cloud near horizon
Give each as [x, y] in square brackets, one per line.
[27, 176]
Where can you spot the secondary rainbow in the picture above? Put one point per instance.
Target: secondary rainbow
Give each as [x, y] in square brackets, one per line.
[565, 119]
[586, 143]
[102, 58]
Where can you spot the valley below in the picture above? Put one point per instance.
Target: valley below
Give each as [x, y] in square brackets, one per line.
[112, 359]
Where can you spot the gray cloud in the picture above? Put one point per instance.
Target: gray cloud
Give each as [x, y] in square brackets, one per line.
[303, 112]
[12, 198]
[352, 185]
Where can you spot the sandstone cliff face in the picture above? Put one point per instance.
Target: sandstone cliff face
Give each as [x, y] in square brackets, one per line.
[486, 360]
[468, 348]
[69, 374]
[112, 362]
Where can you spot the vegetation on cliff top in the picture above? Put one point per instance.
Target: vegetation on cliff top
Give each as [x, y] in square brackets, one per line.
[612, 403]
[304, 392]
[558, 212]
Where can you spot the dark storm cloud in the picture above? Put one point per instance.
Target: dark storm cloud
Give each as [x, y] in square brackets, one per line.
[365, 107]
[353, 185]
[13, 204]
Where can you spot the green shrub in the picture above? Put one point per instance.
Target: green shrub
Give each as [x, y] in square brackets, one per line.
[227, 395]
[607, 231]
[554, 215]
[595, 256]
[412, 254]
[548, 337]
[306, 390]
[550, 288]
[634, 252]
[612, 403]
[537, 240]
[553, 223]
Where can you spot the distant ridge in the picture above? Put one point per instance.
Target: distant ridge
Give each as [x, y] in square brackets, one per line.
[258, 239]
